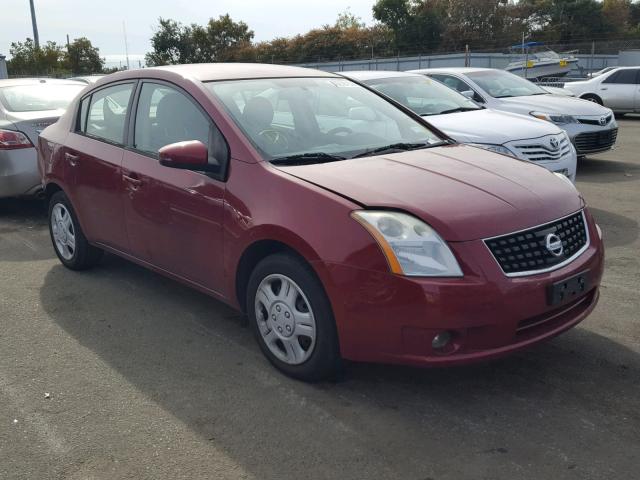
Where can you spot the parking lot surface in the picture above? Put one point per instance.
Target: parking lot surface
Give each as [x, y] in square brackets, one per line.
[119, 373]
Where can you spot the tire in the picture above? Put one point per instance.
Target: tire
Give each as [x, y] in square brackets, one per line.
[64, 227]
[592, 98]
[281, 322]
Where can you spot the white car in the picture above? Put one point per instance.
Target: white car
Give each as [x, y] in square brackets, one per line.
[591, 127]
[463, 120]
[617, 89]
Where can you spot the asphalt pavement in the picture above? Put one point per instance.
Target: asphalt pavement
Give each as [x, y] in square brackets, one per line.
[119, 373]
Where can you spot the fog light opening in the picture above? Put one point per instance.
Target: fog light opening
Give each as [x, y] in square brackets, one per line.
[441, 340]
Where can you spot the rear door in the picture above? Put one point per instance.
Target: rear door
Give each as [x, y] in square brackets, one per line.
[93, 156]
[619, 91]
[174, 216]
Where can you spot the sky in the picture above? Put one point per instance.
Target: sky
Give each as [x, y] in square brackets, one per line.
[101, 21]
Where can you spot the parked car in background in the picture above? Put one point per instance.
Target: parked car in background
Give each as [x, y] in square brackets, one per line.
[27, 106]
[600, 72]
[88, 79]
[563, 92]
[343, 225]
[465, 121]
[592, 128]
[617, 89]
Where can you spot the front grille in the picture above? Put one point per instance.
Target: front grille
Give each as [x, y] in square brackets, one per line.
[595, 121]
[542, 150]
[526, 252]
[591, 142]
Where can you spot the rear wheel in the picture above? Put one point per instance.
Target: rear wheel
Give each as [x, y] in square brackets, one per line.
[292, 318]
[69, 242]
[592, 98]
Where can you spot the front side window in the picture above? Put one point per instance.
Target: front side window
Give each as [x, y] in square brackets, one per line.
[108, 112]
[501, 84]
[624, 77]
[333, 116]
[39, 97]
[423, 95]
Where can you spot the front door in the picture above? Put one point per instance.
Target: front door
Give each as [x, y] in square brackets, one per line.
[93, 154]
[619, 91]
[173, 216]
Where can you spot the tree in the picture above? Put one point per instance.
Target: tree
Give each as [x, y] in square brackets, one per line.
[395, 14]
[174, 43]
[83, 58]
[26, 59]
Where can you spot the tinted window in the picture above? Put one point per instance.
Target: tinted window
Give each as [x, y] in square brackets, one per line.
[422, 95]
[452, 82]
[39, 97]
[108, 112]
[292, 116]
[626, 77]
[501, 84]
[165, 115]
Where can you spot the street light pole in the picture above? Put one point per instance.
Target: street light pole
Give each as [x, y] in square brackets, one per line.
[36, 38]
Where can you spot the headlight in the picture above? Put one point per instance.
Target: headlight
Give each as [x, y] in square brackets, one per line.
[411, 246]
[565, 179]
[494, 148]
[554, 117]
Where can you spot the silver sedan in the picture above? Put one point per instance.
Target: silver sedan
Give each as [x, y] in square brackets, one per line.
[27, 106]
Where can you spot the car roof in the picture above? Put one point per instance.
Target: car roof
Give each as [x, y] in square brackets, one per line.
[12, 82]
[206, 72]
[364, 75]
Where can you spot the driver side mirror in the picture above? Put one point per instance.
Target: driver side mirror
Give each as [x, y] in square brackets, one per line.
[189, 155]
[469, 94]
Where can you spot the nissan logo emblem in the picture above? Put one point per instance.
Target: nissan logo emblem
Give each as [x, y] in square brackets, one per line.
[554, 244]
[554, 143]
[603, 121]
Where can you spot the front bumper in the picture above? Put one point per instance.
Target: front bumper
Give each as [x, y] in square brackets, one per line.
[588, 139]
[19, 173]
[392, 319]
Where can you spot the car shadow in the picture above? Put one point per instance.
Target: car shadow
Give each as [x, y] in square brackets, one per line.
[618, 230]
[24, 235]
[606, 170]
[553, 406]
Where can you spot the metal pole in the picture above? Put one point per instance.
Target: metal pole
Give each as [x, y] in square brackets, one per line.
[34, 24]
[126, 46]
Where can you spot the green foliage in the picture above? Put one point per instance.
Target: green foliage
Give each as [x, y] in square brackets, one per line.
[52, 60]
[82, 58]
[26, 59]
[218, 41]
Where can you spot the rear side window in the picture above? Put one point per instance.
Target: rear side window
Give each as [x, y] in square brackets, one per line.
[107, 113]
[626, 77]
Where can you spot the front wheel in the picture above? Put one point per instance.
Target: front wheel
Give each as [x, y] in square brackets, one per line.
[292, 318]
[593, 98]
[69, 242]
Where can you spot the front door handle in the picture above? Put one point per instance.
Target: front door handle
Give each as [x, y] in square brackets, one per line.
[136, 182]
[72, 159]
[603, 88]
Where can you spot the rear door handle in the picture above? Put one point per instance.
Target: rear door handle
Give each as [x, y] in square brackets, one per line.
[603, 88]
[72, 159]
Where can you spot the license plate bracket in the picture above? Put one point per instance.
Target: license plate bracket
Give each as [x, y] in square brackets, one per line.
[568, 289]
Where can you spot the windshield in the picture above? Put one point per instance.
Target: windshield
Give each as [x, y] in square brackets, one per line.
[501, 84]
[39, 97]
[287, 117]
[423, 95]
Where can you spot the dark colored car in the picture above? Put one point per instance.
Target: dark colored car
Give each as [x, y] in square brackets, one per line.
[340, 222]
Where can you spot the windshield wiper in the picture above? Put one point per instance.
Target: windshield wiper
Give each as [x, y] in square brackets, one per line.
[460, 109]
[402, 146]
[307, 158]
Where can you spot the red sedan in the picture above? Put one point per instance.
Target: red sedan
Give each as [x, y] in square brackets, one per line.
[341, 223]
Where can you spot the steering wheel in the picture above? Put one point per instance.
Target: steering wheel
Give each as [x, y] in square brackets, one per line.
[338, 130]
[274, 137]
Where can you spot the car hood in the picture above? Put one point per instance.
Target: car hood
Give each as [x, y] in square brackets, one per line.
[490, 126]
[465, 193]
[553, 104]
